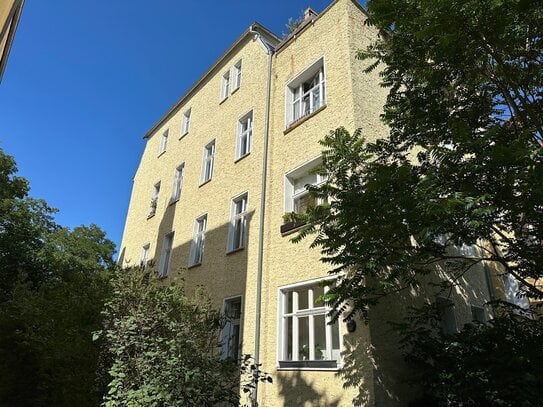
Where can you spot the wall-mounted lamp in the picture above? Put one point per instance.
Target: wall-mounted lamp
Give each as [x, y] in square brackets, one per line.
[351, 325]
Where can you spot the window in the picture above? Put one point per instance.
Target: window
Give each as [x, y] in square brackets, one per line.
[245, 135]
[231, 333]
[306, 93]
[297, 197]
[225, 85]
[237, 76]
[186, 122]
[198, 240]
[447, 315]
[238, 223]
[144, 258]
[306, 337]
[478, 314]
[154, 199]
[163, 142]
[166, 255]
[207, 165]
[177, 183]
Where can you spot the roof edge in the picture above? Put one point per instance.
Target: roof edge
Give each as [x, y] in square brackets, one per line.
[255, 26]
[305, 25]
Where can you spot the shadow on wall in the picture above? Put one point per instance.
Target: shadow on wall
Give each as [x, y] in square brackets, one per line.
[393, 383]
[296, 390]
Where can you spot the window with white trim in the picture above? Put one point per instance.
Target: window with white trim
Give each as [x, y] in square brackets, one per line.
[208, 162]
[154, 199]
[306, 93]
[198, 241]
[186, 122]
[231, 332]
[237, 75]
[166, 255]
[177, 183]
[225, 85]
[144, 257]
[238, 223]
[245, 135]
[307, 339]
[163, 142]
[297, 197]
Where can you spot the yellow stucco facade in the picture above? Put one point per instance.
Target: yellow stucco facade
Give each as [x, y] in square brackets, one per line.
[320, 54]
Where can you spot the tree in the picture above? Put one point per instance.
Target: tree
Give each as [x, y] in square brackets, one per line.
[499, 364]
[53, 284]
[462, 164]
[164, 347]
[461, 167]
[24, 222]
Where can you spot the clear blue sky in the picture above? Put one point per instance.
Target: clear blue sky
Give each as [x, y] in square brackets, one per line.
[86, 79]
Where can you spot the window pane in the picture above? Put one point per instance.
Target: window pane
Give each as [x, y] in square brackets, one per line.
[301, 203]
[303, 300]
[303, 338]
[335, 341]
[289, 302]
[319, 323]
[288, 355]
[318, 292]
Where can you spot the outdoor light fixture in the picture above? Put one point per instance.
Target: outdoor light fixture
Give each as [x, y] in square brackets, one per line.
[351, 325]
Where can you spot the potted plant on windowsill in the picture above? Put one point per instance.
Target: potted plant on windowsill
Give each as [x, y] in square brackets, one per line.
[291, 221]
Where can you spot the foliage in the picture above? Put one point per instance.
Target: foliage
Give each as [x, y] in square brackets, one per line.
[461, 166]
[164, 347]
[53, 283]
[494, 364]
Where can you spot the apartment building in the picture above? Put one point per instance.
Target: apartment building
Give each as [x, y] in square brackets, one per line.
[10, 12]
[219, 171]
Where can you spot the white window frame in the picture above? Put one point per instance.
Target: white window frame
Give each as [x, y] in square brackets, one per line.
[225, 85]
[208, 161]
[144, 256]
[177, 183]
[237, 70]
[296, 174]
[282, 315]
[198, 241]
[163, 142]
[300, 103]
[154, 199]
[227, 332]
[247, 135]
[238, 220]
[166, 254]
[185, 125]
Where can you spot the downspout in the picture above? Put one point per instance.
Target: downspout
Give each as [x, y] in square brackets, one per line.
[269, 50]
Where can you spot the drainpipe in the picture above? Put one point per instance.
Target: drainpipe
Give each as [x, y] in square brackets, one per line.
[269, 51]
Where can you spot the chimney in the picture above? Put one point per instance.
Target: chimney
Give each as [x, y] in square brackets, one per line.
[309, 14]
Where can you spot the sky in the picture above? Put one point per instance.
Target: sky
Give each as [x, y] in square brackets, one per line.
[86, 79]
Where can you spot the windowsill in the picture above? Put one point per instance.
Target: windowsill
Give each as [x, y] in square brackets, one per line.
[151, 215]
[223, 100]
[239, 249]
[194, 266]
[242, 157]
[173, 201]
[330, 365]
[301, 120]
[234, 91]
[160, 154]
[183, 135]
[205, 182]
[291, 227]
